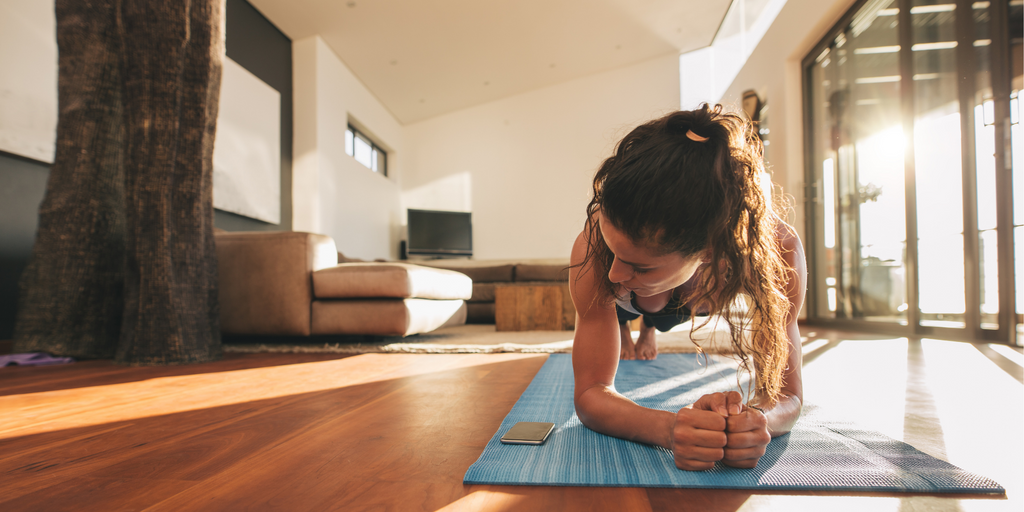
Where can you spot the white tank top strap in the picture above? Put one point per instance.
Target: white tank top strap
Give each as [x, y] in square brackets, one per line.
[626, 303]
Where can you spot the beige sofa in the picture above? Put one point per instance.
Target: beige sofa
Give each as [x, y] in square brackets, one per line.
[487, 275]
[291, 284]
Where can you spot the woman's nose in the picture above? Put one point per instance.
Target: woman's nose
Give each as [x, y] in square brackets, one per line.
[619, 272]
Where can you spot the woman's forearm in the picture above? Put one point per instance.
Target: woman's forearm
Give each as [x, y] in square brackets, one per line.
[603, 410]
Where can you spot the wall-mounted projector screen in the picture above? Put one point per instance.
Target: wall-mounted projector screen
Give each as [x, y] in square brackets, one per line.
[247, 151]
[28, 80]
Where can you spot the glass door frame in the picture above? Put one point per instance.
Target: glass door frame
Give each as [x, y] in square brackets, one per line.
[1000, 83]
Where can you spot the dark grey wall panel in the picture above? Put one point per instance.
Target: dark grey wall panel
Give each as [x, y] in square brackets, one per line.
[22, 185]
[234, 222]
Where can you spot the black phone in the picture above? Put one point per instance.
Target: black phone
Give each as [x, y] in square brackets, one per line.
[528, 432]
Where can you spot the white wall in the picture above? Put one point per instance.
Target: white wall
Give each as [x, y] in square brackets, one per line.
[524, 164]
[332, 193]
[28, 82]
[774, 71]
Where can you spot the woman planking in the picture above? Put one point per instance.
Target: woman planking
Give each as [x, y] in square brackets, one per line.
[680, 223]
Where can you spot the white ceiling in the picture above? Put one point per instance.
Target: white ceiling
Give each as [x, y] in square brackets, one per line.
[423, 58]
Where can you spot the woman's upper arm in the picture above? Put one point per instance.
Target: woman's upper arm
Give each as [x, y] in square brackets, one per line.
[796, 286]
[595, 354]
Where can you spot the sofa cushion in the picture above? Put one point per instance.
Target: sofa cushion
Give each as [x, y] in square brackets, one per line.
[483, 292]
[480, 271]
[385, 317]
[390, 280]
[543, 270]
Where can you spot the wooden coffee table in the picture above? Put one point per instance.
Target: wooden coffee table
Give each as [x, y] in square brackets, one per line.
[533, 306]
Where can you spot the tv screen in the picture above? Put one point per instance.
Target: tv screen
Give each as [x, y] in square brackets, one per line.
[440, 233]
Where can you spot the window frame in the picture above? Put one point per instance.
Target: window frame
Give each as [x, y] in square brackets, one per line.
[378, 155]
[972, 331]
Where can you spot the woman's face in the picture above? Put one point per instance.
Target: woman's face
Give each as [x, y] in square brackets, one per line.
[639, 269]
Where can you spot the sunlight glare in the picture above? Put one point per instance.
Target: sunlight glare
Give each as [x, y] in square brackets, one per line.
[492, 500]
[760, 502]
[882, 219]
[1008, 353]
[656, 388]
[49, 411]
[967, 430]
[875, 401]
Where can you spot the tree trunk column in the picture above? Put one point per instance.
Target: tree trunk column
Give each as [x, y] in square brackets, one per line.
[71, 290]
[172, 55]
[124, 262]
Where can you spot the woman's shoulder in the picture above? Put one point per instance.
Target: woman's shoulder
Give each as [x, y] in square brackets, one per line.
[579, 249]
[580, 260]
[785, 231]
[788, 239]
[585, 286]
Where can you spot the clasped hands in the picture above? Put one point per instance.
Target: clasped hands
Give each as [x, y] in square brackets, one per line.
[718, 427]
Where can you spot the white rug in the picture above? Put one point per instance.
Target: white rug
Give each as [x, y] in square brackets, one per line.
[484, 339]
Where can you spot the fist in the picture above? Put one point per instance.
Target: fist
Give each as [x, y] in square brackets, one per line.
[724, 404]
[698, 439]
[748, 438]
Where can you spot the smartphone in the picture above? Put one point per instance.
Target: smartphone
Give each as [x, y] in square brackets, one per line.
[528, 432]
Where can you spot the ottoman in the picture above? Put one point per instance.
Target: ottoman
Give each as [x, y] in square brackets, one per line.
[387, 299]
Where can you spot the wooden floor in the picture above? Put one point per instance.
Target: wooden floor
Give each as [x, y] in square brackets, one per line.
[398, 431]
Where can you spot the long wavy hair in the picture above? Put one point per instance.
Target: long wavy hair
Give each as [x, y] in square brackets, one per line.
[674, 194]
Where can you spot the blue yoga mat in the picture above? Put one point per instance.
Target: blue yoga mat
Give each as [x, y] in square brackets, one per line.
[818, 453]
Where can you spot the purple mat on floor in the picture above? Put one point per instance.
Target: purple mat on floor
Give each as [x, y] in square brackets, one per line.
[32, 359]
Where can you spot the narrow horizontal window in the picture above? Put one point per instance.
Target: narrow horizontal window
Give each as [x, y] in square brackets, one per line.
[365, 151]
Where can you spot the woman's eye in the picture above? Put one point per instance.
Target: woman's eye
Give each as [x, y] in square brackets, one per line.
[641, 270]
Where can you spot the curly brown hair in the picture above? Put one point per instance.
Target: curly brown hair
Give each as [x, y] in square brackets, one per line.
[675, 194]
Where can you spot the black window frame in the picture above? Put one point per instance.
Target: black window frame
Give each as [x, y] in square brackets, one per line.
[376, 149]
[1008, 319]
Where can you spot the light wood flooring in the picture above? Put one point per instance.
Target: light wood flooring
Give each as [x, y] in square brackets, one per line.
[398, 431]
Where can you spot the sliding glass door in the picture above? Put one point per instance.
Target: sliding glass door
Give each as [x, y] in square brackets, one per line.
[912, 128]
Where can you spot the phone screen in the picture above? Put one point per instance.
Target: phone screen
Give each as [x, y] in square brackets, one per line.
[528, 432]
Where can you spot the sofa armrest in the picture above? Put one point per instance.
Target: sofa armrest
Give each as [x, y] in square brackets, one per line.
[266, 283]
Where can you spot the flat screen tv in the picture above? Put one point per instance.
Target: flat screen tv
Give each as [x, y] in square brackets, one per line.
[439, 233]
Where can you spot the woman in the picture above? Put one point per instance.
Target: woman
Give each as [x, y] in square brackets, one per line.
[679, 222]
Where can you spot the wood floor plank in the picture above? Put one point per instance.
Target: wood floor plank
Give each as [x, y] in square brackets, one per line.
[157, 442]
[35, 379]
[106, 494]
[70, 408]
[397, 432]
[265, 424]
[410, 447]
[569, 499]
[95, 449]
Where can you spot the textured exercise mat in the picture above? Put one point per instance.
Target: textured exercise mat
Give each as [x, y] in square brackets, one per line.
[818, 453]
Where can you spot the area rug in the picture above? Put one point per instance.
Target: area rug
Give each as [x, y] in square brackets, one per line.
[484, 339]
[819, 453]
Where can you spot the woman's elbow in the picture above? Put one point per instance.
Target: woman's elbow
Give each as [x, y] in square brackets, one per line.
[582, 412]
[584, 405]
